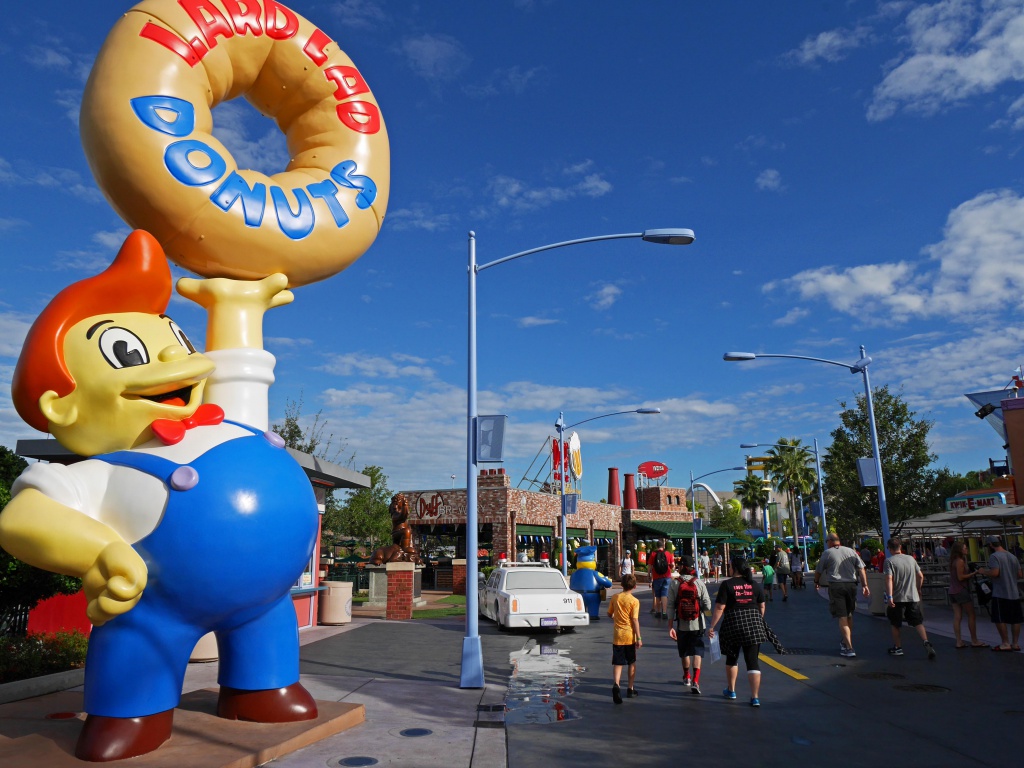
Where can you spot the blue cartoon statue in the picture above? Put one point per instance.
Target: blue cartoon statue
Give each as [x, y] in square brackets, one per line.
[588, 581]
[172, 488]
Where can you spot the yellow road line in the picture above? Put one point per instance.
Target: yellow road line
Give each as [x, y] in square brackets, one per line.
[782, 667]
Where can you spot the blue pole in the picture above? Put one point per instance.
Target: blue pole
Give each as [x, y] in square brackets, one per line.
[883, 509]
[472, 651]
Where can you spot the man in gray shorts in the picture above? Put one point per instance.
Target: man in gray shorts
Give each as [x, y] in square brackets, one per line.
[903, 580]
[1004, 570]
[842, 568]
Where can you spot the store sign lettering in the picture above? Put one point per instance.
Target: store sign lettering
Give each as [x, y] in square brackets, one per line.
[965, 504]
[437, 506]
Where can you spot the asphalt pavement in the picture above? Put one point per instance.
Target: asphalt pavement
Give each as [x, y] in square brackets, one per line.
[548, 697]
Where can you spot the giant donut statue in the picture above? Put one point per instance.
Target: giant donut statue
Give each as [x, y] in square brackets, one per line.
[146, 127]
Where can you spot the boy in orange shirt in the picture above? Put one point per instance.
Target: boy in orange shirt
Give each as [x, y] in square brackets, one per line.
[624, 609]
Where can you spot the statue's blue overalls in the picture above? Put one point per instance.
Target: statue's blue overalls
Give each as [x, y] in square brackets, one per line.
[238, 530]
[587, 581]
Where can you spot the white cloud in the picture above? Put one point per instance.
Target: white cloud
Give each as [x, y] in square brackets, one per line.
[831, 46]
[604, 297]
[435, 57]
[63, 179]
[956, 49]
[769, 180]
[419, 216]
[13, 329]
[534, 322]
[794, 315]
[373, 366]
[513, 80]
[360, 14]
[977, 268]
[513, 194]
[235, 122]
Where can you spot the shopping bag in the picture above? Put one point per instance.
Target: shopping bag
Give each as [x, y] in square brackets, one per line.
[715, 649]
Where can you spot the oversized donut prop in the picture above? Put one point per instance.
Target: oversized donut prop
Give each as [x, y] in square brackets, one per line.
[147, 126]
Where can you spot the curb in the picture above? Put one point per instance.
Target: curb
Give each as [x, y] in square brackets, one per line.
[40, 686]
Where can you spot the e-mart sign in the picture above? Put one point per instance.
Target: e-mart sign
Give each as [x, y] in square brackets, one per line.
[966, 503]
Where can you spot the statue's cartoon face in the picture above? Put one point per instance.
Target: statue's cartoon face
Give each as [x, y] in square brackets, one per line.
[129, 369]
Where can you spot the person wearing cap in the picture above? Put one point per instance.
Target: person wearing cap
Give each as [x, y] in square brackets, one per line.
[626, 566]
[1004, 570]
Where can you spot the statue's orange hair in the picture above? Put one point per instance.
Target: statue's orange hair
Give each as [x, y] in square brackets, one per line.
[139, 280]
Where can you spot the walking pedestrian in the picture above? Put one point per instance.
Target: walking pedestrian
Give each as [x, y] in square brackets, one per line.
[960, 596]
[842, 568]
[705, 564]
[1004, 570]
[768, 580]
[903, 580]
[796, 567]
[688, 599]
[626, 566]
[740, 607]
[662, 565]
[624, 609]
[782, 568]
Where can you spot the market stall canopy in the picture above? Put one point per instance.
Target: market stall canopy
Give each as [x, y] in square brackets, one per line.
[675, 530]
[996, 512]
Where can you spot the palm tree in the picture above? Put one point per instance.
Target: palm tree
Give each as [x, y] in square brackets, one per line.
[753, 494]
[791, 471]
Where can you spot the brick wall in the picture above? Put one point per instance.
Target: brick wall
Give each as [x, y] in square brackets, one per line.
[458, 577]
[400, 586]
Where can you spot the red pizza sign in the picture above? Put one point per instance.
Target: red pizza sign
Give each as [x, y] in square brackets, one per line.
[652, 469]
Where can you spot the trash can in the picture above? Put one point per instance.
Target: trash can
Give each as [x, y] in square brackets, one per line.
[336, 602]
[876, 583]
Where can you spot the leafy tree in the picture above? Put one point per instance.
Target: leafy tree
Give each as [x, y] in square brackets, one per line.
[364, 514]
[753, 494]
[728, 516]
[22, 585]
[791, 471]
[310, 440]
[906, 458]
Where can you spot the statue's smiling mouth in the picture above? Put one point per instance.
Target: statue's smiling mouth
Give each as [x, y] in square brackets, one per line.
[177, 397]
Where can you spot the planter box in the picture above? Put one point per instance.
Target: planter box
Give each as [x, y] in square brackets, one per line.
[40, 686]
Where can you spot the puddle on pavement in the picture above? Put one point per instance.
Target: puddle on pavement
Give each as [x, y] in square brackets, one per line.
[543, 677]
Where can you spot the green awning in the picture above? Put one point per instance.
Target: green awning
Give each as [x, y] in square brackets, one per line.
[606, 534]
[533, 530]
[676, 530]
[577, 533]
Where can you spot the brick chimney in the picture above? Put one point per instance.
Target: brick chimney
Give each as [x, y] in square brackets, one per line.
[630, 500]
[614, 494]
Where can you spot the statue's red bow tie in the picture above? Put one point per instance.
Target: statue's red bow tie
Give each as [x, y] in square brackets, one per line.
[171, 431]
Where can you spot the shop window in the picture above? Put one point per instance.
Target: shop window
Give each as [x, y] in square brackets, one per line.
[305, 580]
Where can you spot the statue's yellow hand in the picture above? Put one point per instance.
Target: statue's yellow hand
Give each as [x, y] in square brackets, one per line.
[115, 582]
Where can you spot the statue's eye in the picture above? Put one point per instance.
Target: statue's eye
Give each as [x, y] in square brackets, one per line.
[182, 338]
[122, 348]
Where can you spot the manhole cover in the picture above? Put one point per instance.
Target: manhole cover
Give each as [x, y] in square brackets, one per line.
[414, 732]
[799, 651]
[882, 676]
[921, 688]
[354, 761]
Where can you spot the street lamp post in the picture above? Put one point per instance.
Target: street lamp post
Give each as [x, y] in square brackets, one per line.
[561, 427]
[472, 674]
[861, 367]
[693, 502]
[817, 469]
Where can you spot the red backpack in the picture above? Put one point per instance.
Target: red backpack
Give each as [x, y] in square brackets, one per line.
[688, 600]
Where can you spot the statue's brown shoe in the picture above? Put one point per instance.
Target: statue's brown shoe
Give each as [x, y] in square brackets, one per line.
[115, 738]
[275, 705]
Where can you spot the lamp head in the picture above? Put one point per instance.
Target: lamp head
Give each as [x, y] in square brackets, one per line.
[736, 357]
[668, 236]
[749, 445]
[647, 410]
[860, 365]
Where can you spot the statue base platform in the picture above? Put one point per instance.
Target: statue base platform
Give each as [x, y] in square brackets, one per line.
[42, 732]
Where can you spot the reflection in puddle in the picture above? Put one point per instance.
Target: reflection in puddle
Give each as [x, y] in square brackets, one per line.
[543, 676]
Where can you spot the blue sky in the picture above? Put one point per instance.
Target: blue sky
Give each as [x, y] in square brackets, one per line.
[852, 171]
